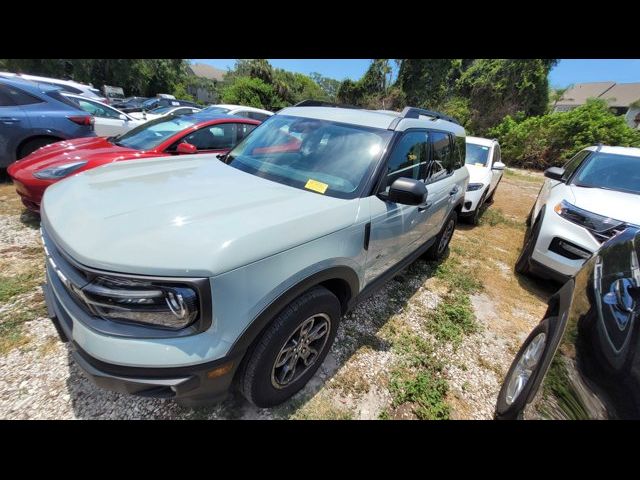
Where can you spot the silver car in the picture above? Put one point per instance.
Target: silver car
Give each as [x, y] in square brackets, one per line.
[173, 277]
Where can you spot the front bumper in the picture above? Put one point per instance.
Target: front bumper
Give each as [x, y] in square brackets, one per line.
[31, 195]
[555, 264]
[471, 200]
[192, 386]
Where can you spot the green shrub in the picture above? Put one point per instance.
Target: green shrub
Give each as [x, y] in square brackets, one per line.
[549, 140]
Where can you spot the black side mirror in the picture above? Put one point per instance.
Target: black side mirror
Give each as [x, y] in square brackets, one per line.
[554, 173]
[406, 191]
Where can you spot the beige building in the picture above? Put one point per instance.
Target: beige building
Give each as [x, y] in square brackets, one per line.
[623, 98]
[203, 91]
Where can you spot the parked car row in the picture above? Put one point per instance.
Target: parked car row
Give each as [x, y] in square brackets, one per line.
[180, 276]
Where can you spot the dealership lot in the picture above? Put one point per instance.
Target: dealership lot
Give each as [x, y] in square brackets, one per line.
[370, 359]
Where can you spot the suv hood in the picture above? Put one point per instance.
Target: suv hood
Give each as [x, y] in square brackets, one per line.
[478, 174]
[617, 205]
[183, 216]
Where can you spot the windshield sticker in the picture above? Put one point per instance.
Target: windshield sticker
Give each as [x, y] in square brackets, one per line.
[316, 186]
[479, 164]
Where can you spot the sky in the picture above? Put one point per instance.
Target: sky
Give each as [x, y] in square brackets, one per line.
[562, 75]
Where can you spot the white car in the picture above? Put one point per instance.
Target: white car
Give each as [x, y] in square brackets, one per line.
[68, 86]
[108, 120]
[484, 162]
[239, 110]
[163, 112]
[595, 196]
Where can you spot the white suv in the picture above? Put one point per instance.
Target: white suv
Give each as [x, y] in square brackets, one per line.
[484, 162]
[580, 206]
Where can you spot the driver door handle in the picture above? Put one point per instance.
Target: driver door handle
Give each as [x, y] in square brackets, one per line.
[424, 206]
[454, 190]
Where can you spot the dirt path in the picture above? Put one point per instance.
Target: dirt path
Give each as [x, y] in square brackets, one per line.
[435, 342]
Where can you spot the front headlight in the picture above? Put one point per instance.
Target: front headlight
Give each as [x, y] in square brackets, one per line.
[61, 171]
[167, 306]
[472, 187]
[591, 221]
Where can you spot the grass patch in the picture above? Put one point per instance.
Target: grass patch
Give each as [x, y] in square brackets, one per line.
[11, 332]
[457, 276]
[424, 391]
[17, 285]
[323, 408]
[510, 173]
[494, 216]
[452, 319]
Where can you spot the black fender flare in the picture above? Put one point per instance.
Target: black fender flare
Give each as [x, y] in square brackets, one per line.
[264, 318]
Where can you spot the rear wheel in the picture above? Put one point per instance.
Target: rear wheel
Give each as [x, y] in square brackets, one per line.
[439, 248]
[475, 218]
[291, 349]
[32, 145]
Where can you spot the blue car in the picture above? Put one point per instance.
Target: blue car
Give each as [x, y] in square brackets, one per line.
[35, 114]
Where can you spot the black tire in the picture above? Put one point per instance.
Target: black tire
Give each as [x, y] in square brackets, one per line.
[530, 217]
[489, 199]
[514, 410]
[475, 218]
[259, 377]
[32, 145]
[523, 264]
[439, 249]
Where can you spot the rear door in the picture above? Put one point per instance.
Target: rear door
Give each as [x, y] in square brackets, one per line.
[441, 182]
[14, 123]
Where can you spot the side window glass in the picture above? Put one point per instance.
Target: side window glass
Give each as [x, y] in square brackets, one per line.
[5, 100]
[442, 159]
[409, 158]
[574, 163]
[18, 97]
[459, 151]
[215, 137]
[244, 129]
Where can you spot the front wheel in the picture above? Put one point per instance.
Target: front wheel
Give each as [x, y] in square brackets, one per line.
[438, 250]
[523, 264]
[291, 349]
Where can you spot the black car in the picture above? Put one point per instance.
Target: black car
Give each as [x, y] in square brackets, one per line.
[157, 102]
[582, 361]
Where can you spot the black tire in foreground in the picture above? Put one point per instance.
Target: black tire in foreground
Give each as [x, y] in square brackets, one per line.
[439, 249]
[475, 218]
[524, 373]
[523, 264]
[291, 349]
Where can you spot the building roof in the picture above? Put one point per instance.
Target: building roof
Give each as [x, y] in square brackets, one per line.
[622, 94]
[207, 71]
[616, 94]
[578, 93]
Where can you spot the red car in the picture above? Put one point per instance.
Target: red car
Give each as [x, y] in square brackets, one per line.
[174, 135]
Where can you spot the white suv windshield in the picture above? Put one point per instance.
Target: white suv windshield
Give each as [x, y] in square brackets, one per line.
[325, 157]
[477, 154]
[611, 172]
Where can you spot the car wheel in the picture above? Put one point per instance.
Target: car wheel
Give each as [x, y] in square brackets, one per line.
[475, 218]
[439, 248]
[291, 349]
[32, 145]
[516, 388]
[489, 199]
[523, 264]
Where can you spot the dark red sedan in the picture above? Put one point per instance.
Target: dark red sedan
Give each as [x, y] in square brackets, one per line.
[173, 135]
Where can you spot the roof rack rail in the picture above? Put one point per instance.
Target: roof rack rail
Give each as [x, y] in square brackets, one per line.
[322, 103]
[413, 112]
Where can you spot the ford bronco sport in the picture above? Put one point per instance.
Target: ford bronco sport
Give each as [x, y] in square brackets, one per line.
[173, 278]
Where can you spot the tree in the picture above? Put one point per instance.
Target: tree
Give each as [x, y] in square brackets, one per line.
[252, 92]
[500, 87]
[328, 85]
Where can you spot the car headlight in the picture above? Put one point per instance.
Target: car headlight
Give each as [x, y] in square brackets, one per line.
[167, 306]
[472, 187]
[61, 171]
[591, 221]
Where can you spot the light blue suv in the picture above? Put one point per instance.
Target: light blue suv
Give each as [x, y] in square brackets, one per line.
[175, 277]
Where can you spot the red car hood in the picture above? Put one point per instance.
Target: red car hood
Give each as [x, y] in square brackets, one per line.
[95, 150]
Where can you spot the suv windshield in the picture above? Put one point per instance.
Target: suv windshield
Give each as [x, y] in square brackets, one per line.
[148, 104]
[477, 154]
[610, 171]
[318, 155]
[152, 133]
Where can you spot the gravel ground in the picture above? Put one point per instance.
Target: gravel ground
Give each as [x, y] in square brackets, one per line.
[39, 379]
